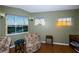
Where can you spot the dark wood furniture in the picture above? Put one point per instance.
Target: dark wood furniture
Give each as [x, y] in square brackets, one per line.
[19, 46]
[74, 42]
[49, 37]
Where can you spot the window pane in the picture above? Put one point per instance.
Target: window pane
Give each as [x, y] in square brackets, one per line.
[10, 20]
[11, 29]
[18, 29]
[25, 28]
[59, 23]
[64, 22]
[25, 19]
[64, 19]
[18, 20]
[69, 23]
[69, 19]
[37, 21]
[17, 24]
[60, 19]
[42, 21]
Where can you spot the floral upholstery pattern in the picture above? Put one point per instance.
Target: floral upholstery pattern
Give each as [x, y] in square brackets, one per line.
[32, 42]
[4, 44]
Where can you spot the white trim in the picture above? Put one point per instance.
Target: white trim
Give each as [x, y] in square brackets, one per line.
[12, 46]
[6, 26]
[16, 33]
[56, 43]
[43, 42]
[6, 33]
[60, 43]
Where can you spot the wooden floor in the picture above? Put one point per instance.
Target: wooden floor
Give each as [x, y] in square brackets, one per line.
[48, 48]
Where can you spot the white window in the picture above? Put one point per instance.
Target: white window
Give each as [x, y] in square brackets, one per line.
[16, 24]
[64, 21]
[39, 21]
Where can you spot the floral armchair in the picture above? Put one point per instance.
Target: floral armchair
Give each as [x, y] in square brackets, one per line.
[32, 42]
[4, 44]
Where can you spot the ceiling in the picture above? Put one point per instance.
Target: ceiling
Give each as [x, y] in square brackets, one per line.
[44, 8]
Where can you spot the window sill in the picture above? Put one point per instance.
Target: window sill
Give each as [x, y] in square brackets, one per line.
[16, 33]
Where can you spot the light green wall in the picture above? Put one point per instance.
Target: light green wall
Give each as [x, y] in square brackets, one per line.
[12, 11]
[0, 26]
[1, 22]
[60, 34]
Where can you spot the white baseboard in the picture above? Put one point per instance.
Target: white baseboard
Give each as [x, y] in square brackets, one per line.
[60, 43]
[12, 46]
[43, 41]
[56, 43]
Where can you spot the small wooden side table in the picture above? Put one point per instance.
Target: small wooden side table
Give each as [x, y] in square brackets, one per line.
[49, 37]
[19, 46]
